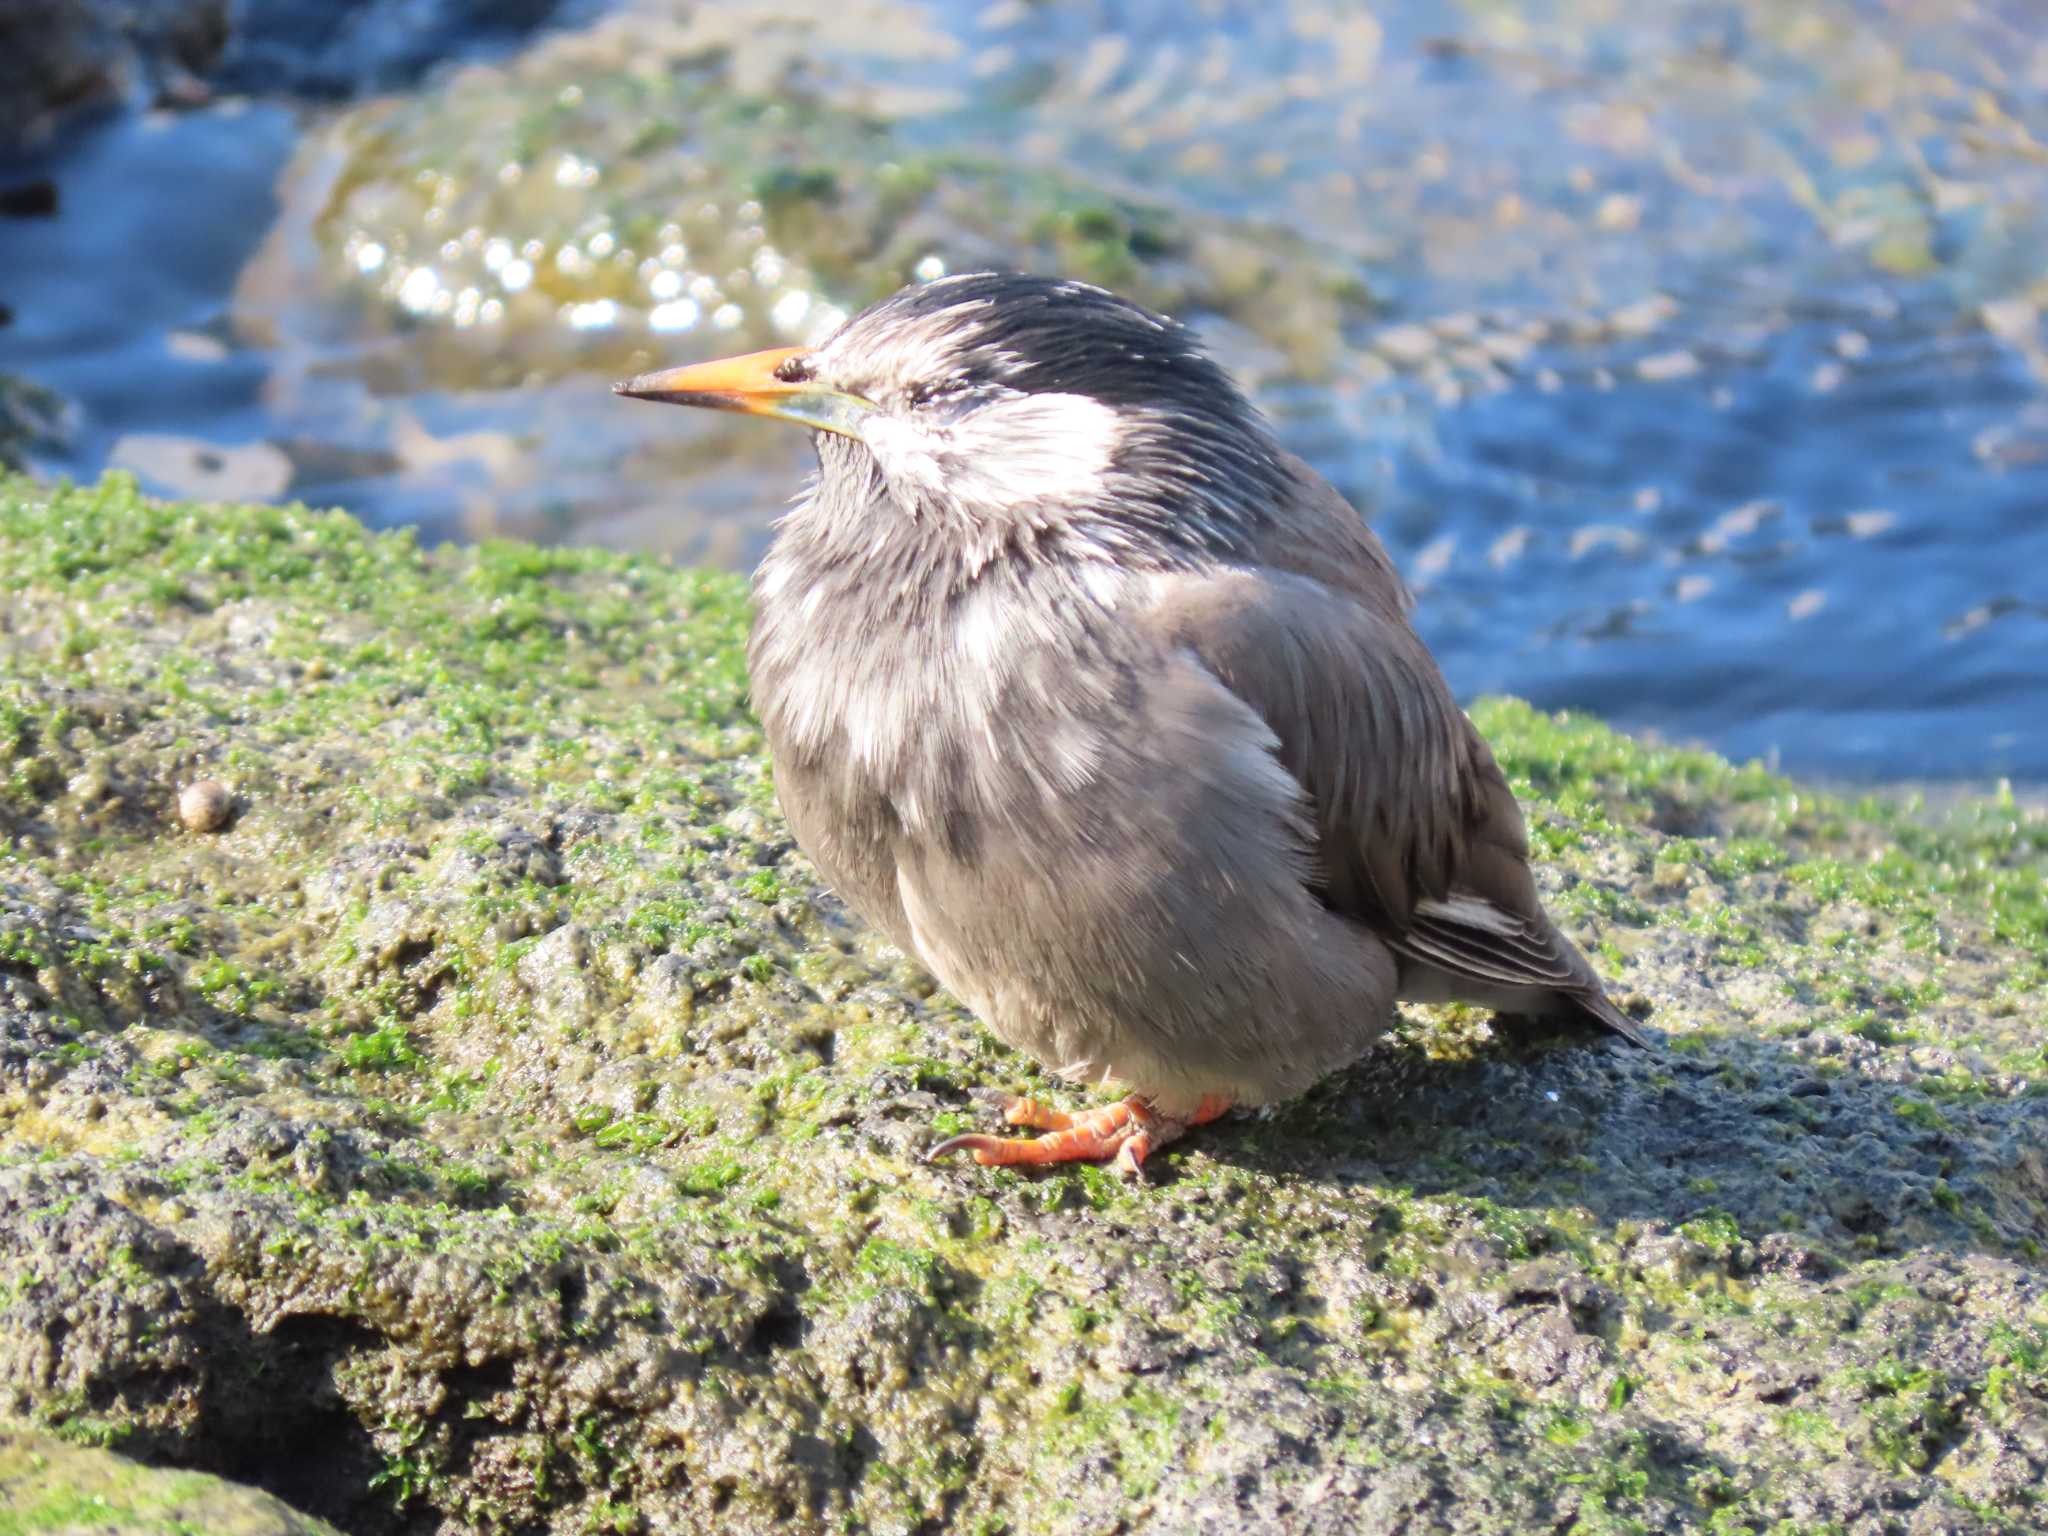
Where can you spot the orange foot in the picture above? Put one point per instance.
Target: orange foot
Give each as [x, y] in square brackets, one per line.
[1127, 1132]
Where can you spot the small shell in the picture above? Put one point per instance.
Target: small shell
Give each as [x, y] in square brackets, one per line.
[204, 806]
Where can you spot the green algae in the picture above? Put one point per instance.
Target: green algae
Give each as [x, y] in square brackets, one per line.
[496, 1122]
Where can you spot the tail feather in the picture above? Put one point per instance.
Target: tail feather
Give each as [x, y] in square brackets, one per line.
[1480, 949]
[1595, 1005]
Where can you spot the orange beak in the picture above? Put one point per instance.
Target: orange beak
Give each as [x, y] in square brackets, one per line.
[752, 383]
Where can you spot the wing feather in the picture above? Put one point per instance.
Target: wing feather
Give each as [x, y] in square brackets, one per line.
[1418, 835]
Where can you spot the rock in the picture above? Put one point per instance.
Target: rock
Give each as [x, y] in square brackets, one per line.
[678, 172]
[48, 1484]
[62, 56]
[59, 58]
[190, 466]
[205, 805]
[30, 417]
[499, 1126]
[681, 177]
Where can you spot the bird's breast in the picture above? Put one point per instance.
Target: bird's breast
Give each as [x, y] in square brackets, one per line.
[982, 704]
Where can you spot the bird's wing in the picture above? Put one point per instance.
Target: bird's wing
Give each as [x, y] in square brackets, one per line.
[1419, 836]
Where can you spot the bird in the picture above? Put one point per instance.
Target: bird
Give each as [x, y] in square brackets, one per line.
[1110, 711]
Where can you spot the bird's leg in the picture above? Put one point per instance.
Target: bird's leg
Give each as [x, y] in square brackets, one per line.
[1127, 1132]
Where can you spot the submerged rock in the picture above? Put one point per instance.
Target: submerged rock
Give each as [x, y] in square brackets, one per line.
[495, 1125]
[30, 417]
[458, 274]
[59, 57]
[708, 169]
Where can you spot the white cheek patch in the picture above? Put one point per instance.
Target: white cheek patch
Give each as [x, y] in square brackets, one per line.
[907, 452]
[1052, 449]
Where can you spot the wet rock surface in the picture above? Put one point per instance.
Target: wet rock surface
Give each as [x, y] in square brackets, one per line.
[61, 57]
[29, 417]
[494, 1126]
[60, 60]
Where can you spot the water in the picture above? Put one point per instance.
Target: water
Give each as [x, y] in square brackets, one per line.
[1699, 385]
[1778, 560]
[120, 300]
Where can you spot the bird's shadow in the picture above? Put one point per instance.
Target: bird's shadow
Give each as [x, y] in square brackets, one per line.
[1831, 1145]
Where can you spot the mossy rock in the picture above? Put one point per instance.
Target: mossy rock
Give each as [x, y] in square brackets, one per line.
[596, 200]
[53, 1487]
[494, 1125]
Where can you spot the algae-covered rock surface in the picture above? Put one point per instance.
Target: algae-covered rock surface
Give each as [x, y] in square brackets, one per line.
[682, 167]
[494, 1126]
[53, 1487]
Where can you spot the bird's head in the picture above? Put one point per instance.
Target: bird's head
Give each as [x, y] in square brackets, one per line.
[995, 399]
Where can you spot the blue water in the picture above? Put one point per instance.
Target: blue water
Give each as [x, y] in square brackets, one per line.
[1849, 579]
[156, 215]
[1704, 389]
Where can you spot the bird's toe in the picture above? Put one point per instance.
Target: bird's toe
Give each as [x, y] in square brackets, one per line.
[1017, 1109]
[1123, 1134]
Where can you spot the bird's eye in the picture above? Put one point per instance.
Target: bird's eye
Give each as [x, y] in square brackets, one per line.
[794, 370]
[925, 394]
